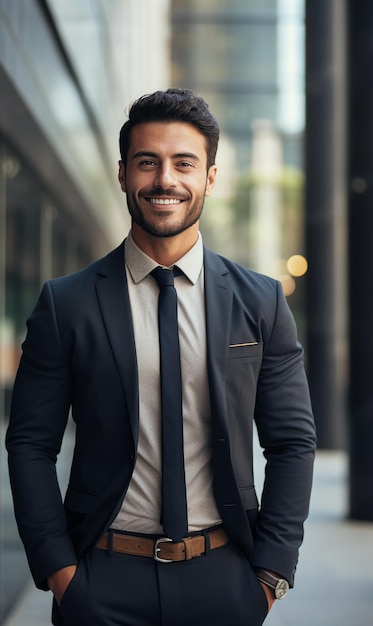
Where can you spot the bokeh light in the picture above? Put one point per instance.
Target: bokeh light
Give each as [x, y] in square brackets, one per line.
[297, 265]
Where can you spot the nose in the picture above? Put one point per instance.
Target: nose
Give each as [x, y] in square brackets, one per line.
[165, 176]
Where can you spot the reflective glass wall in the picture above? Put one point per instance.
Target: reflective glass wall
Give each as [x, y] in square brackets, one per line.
[39, 239]
[68, 71]
[246, 57]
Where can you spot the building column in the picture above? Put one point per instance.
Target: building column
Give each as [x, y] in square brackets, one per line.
[360, 176]
[326, 217]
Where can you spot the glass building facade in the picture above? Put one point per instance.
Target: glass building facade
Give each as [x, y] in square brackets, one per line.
[68, 70]
[39, 239]
[227, 51]
[245, 57]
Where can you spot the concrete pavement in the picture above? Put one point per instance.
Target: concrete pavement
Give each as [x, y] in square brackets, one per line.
[334, 582]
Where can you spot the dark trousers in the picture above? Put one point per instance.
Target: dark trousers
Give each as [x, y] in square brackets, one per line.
[112, 589]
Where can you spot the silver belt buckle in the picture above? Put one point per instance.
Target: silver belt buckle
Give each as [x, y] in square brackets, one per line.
[157, 549]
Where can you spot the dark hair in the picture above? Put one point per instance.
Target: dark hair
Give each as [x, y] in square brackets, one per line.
[179, 105]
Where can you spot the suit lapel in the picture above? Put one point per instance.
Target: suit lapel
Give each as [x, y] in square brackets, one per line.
[113, 297]
[218, 298]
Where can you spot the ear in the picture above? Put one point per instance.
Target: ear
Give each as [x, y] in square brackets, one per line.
[211, 178]
[122, 176]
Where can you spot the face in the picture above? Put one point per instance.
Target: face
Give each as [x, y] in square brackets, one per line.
[166, 178]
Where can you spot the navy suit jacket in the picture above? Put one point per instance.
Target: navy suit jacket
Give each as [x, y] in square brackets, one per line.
[80, 353]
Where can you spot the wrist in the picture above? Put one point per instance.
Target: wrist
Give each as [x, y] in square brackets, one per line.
[278, 586]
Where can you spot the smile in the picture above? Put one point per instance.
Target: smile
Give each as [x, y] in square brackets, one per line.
[164, 201]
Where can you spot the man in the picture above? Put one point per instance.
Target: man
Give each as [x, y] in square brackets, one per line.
[92, 345]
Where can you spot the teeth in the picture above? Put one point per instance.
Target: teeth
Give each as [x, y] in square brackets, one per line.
[164, 201]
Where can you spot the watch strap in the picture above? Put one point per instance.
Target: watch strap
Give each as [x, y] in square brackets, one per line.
[278, 585]
[267, 578]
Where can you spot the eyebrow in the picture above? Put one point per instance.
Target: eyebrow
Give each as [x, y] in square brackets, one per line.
[178, 155]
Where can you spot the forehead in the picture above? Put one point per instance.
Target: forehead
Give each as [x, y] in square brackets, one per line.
[167, 138]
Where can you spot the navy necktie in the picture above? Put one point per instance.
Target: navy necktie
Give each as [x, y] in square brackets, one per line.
[174, 506]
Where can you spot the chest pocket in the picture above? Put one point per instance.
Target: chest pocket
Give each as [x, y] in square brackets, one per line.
[245, 350]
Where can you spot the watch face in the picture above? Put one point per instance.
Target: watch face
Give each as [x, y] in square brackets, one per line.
[281, 589]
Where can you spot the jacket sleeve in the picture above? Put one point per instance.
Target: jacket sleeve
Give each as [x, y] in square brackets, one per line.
[286, 432]
[39, 412]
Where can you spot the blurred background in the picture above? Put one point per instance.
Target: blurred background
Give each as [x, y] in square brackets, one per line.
[290, 82]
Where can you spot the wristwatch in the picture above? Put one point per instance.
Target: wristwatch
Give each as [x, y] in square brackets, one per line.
[280, 586]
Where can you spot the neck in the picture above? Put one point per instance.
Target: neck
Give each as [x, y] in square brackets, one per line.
[165, 250]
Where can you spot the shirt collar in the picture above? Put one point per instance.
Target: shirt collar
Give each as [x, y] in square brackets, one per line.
[140, 264]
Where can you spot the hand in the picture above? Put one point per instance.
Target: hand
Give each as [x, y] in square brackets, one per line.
[60, 580]
[269, 595]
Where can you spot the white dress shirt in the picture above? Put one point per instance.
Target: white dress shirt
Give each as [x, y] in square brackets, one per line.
[141, 508]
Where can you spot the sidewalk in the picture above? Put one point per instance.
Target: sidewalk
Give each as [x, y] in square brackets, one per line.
[334, 582]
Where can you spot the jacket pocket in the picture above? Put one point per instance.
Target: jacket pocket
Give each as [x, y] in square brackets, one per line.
[245, 350]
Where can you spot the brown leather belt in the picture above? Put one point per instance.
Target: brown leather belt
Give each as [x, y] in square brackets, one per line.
[163, 549]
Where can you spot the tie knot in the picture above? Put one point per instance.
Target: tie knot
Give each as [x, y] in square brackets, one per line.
[165, 277]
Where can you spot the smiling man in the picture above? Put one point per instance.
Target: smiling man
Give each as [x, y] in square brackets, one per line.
[166, 354]
[166, 185]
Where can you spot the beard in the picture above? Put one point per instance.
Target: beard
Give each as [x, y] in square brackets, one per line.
[161, 223]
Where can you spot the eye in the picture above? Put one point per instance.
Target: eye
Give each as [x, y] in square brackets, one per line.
[185, 164]
[146, 162]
